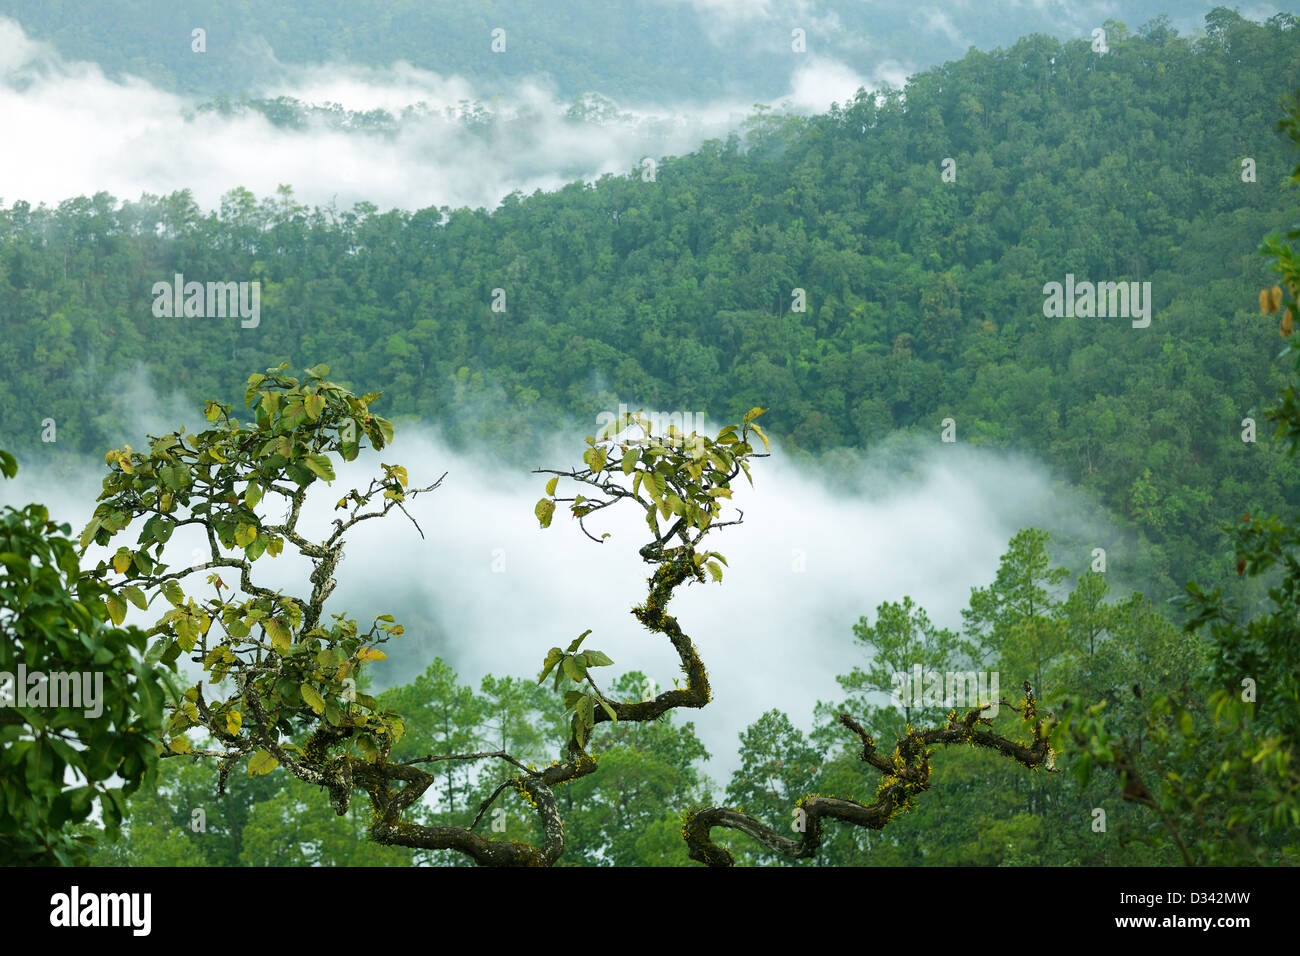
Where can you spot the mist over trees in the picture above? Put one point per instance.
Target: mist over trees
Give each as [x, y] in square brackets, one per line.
[923, 297]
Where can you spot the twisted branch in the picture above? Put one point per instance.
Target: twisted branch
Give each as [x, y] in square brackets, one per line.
[906, 774]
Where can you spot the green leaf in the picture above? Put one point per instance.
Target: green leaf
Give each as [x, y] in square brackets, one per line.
[172, 592]
[253, 494]
[116, 608]
[630, 460]
[89, 533]
[609, 710]
[550, 485]
[577, 642]
[752, 414]
[553, 657]
[186, 635]
[544, 510]
[135, 596]
[176, 476]
[320, 466]
[278, 632]
[313, 698]
[261, 763]
[595, 659]
[256, 548]
[575, 669]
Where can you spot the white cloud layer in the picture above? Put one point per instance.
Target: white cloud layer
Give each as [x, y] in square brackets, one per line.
[489, 591]
[72, 131]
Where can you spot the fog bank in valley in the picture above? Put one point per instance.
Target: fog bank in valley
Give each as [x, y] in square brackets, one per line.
[489, 591]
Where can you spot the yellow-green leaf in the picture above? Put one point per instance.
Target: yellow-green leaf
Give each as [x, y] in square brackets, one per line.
[313, 698]
[116, 608]
[278, 631]
[261, 763]
[544, 510]
[186, 636]
[320, 465]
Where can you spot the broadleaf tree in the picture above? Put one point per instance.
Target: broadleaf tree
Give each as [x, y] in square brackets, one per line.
[80, 707]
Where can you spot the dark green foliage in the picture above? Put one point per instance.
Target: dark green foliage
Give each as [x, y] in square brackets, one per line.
[65, 754]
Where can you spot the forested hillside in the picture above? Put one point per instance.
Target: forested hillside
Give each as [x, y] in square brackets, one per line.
[924, 296]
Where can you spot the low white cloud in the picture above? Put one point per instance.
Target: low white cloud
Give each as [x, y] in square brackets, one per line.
[941, 23]
[489, 591]
[822, 81]
[78, 132]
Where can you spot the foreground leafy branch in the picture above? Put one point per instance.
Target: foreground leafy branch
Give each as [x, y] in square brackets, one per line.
[280, 687]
